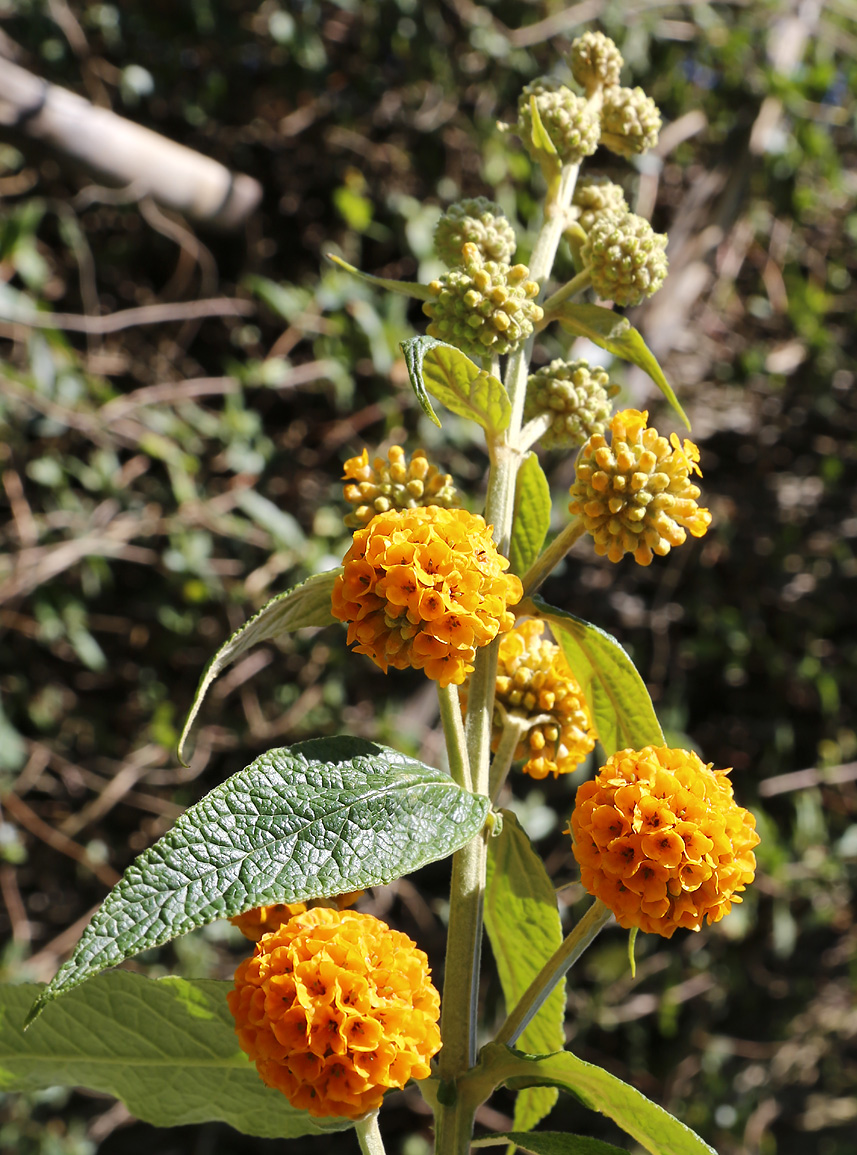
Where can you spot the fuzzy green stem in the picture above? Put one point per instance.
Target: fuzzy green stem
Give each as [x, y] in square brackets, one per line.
[554, 969]
[513, 730]
[575, 285]
[369, 1135]
[453, 732]
[548, 560]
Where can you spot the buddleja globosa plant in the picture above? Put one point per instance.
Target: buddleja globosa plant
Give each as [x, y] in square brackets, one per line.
[334, 1007]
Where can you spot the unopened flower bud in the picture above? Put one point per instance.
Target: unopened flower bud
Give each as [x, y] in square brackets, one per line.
[394, 484]
[630, 121]
[635, 494]
[483, 307]
[596, 196]
[576, 395]
[595, 62]
[569, 121]
[625, 257]
[476, 221]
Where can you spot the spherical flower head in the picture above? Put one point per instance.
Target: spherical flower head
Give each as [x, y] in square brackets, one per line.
[576, 396]
[262, 920]
[476, 221]
[424, 588]
[661, 841]
[596, 196]
[394, 484]
[483, 307]
[595, 62]
[625, 257]
[636, 494]
[630, 121]
[569, 120]
[536, 686]
[334, 1008]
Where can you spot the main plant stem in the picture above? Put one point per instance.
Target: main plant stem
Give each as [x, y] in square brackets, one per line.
[369, 1136]
[464, 942]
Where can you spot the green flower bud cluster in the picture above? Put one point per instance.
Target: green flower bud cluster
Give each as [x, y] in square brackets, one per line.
[596, 196]
[630, 121]
[576, 395]
[569, 120]
[483, 307]
[476, 221]
[595, 62]
[625, 257]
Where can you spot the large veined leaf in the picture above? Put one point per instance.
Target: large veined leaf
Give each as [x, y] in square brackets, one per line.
[456, 381]
[306, 605]
[618, 336]
[521, 907]
[551, 1143]
[532, 515]
[165, 1047]
[653, 1128]
[403, 288]
[320, 818]
[615, 693]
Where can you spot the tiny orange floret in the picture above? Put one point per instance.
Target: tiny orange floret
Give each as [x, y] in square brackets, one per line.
[661, 841]
[357, 1015]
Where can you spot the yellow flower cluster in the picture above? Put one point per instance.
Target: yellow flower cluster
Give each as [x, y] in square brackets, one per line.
[394, 484]
[334, 1008]
[423, 588]
[265, 919]
[661, 841]
[535, 684]
[635, 495]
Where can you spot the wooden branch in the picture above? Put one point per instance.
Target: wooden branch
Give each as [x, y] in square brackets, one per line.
[124, 153]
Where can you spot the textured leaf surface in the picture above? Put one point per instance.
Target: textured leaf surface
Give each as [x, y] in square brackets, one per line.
[653, 1128]
[320, 818]
[616, 694]
[456, 381]
[521, 908]
[306, 605]
[551, 1143]
[414, 351]
[618, 336]
[404, 288]
[165, 1047]
[532, 515]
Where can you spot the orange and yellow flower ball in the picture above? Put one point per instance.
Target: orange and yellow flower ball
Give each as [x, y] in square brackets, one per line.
[335, 1008]
[264, 919]
[635, 495]
[661, 841]
[423, 588]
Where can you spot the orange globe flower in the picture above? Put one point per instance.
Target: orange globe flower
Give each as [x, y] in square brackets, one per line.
[265, 919]
[334, 1008]
[661, 841]
[424, 588]
[636, 494]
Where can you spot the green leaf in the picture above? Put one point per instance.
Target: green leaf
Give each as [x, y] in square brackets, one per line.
[551, 1143]
[319, 818]
[521, 907]
[532, 515]
[616, 694]
[405, 288]
[539, 134]
[459, 383]
[414, 350]
[306, 605]
[653, 1128]
[618, 336]
[165, 1047]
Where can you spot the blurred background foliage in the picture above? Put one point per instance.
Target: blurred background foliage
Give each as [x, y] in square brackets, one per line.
[161, 482]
